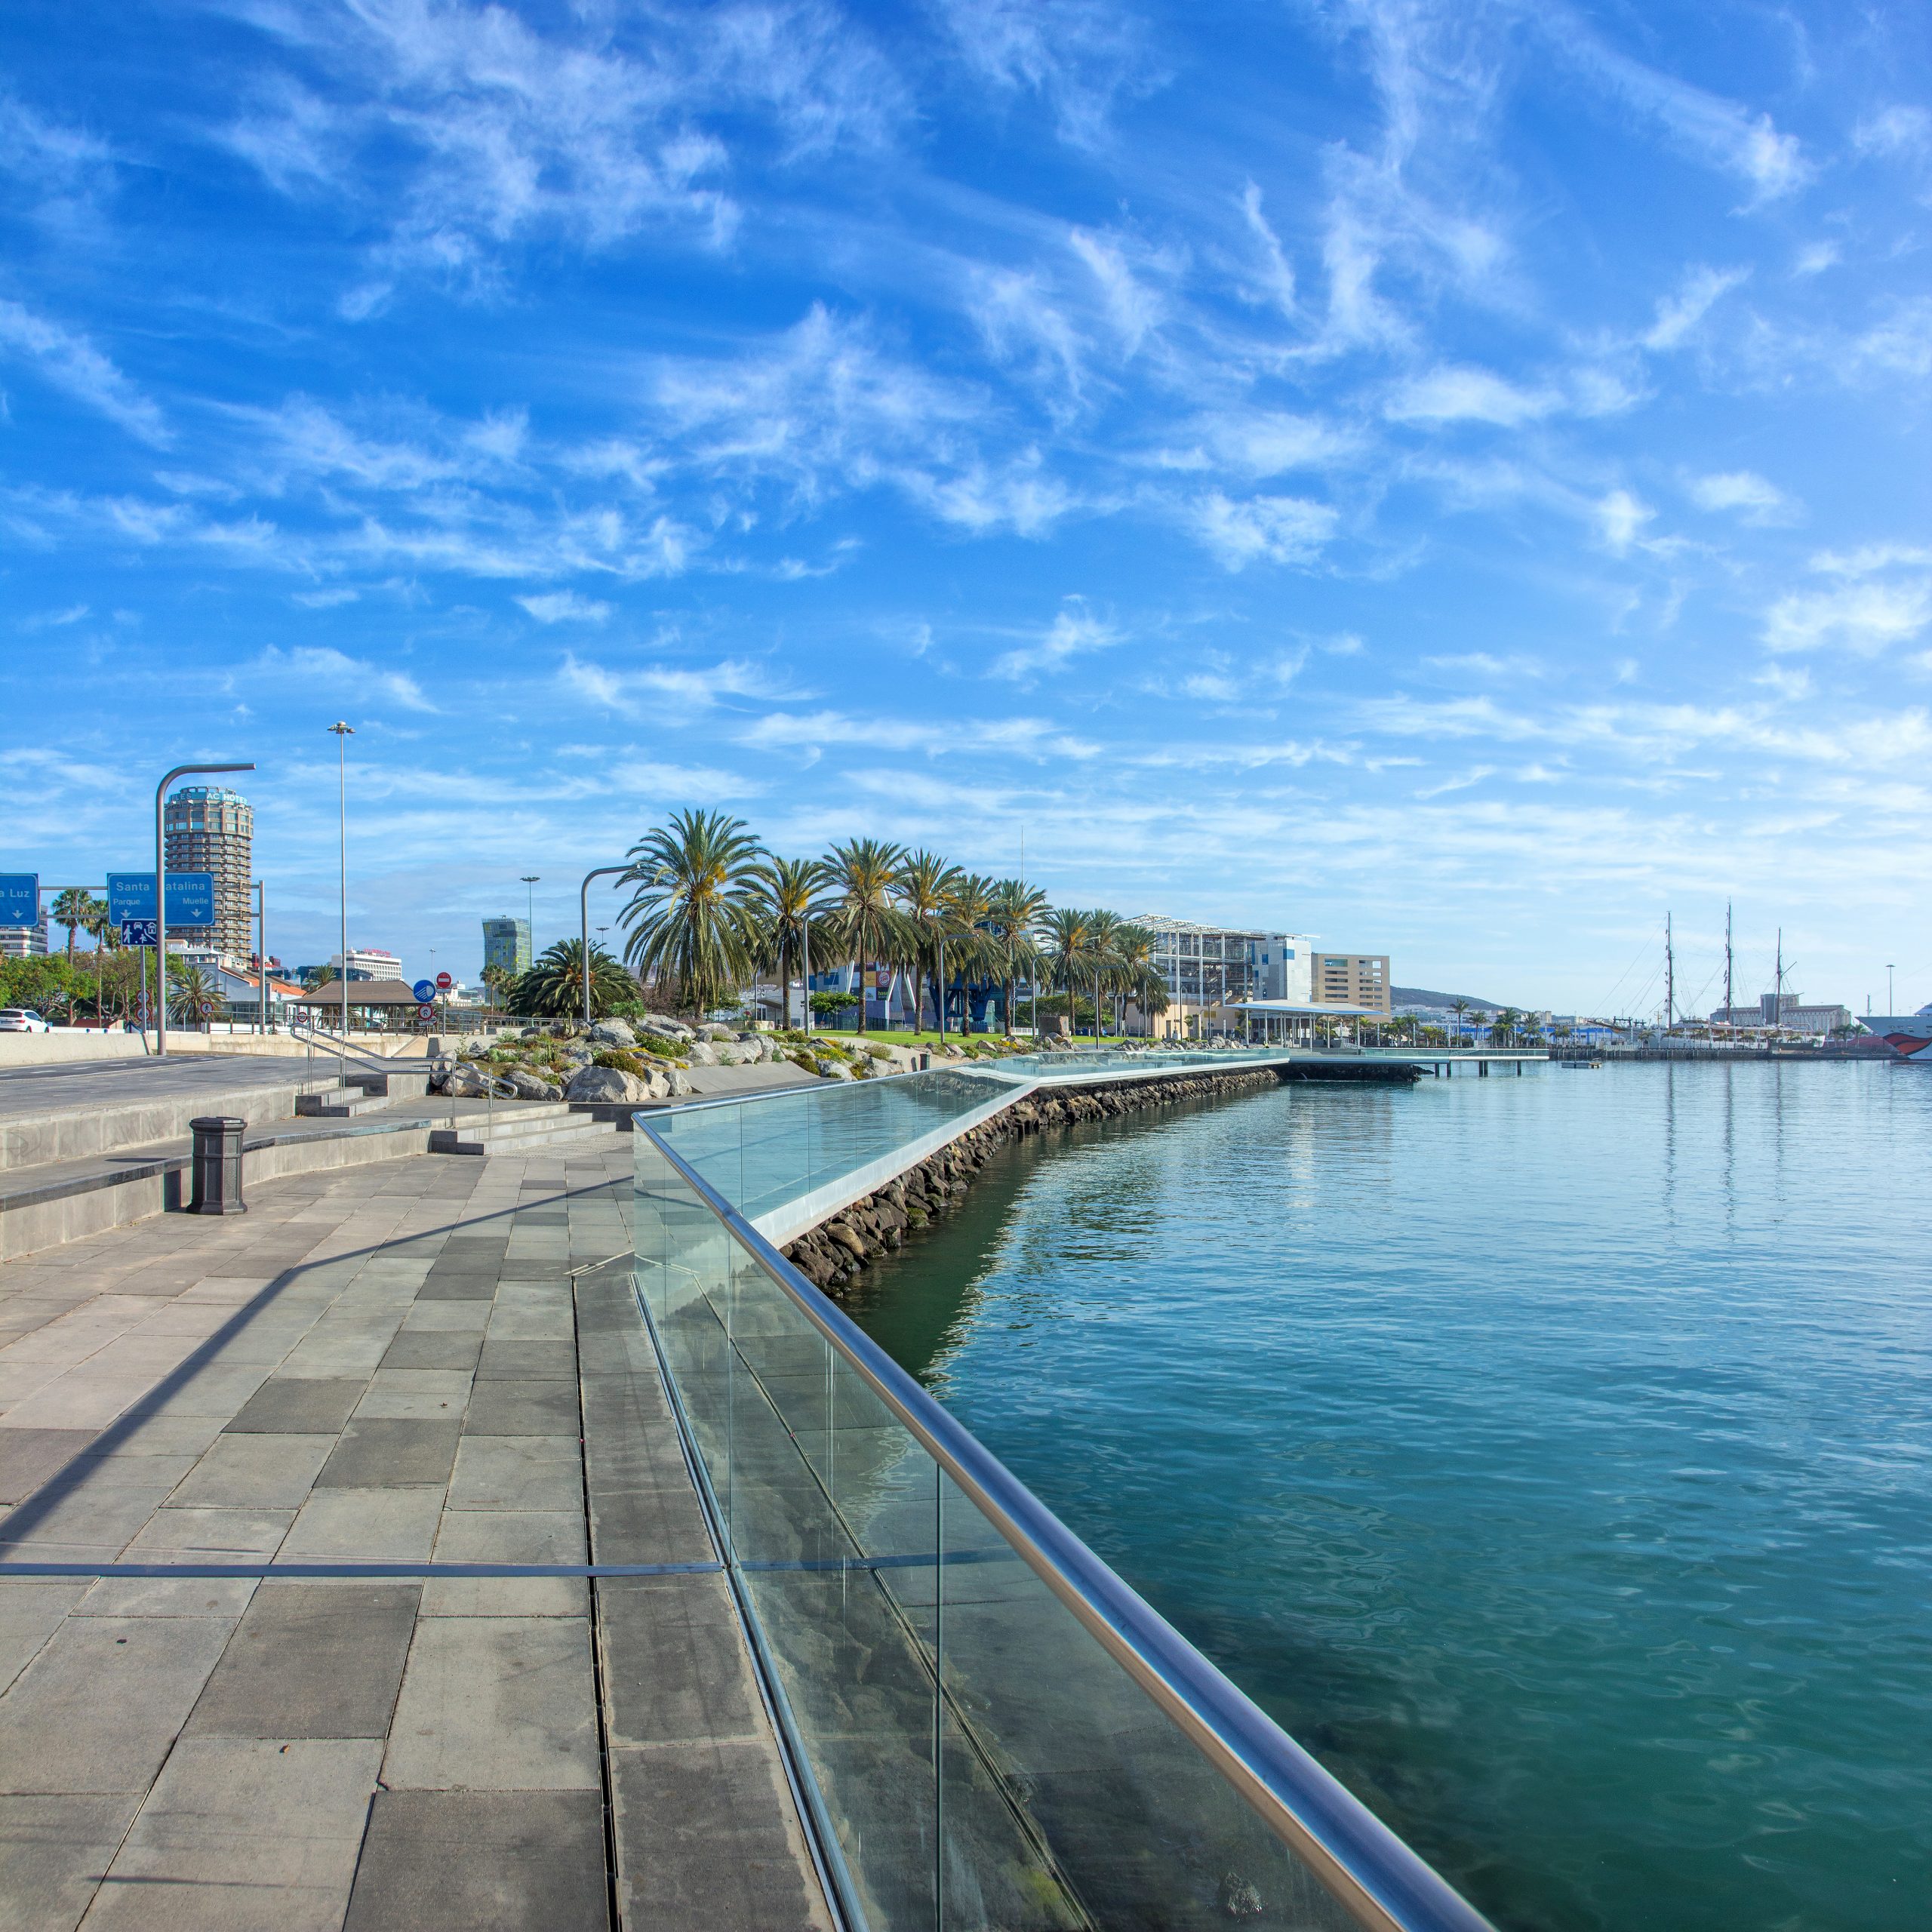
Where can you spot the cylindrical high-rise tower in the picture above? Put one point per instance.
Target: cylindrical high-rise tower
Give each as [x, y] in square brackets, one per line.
[209, 828]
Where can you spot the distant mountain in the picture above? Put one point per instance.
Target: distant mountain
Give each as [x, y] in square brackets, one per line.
[1402, 996]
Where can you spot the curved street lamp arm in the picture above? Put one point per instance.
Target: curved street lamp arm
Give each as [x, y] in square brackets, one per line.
[160, 898]
[583, 908]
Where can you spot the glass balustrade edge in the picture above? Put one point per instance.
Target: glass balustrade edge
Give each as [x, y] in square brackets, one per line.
[1376, 1880]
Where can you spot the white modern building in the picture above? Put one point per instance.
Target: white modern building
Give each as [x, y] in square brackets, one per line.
[24, 942]
[368, 962]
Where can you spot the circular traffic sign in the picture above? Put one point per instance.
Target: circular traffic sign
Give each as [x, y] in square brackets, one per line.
[426, 1011]
[444, 982]
[424, 990]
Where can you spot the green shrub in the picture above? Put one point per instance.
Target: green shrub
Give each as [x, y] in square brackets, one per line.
[663, 1045]
[624, 1062]
[878, 1052]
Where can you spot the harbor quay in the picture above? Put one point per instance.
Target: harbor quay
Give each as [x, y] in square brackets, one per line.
[517, 1539]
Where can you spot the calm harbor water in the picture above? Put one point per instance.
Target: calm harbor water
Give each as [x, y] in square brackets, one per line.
[1550, 1456]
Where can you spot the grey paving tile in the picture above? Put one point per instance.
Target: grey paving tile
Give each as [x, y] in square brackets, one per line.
[417, 1348]
[527, 1362]
[663, 1523]
[372, 1525]
[707, 1841]
[240, 1833]
[163, 1596]
[97, 1709]
[311, 1660]
[30, 1612]
[97, 1509]
[505, 1537]
[218, 1390]
[522, 1408]
[458, 1861]
[500, 1703]
[392, 1452]
[422, 1393]
[211, 1535]
[675, 1668]
[447, 1317]
[255, 1472]
[519, 1472]
[29, 1456]
[299, 1405]
[54, 1852]
[476, 1285]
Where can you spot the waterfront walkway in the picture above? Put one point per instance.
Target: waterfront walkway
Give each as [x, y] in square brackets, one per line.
[418, 1363]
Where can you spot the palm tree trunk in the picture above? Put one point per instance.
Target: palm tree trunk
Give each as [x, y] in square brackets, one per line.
[939, 993]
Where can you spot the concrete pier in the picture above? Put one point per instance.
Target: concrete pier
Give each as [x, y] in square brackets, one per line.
[339, 1459]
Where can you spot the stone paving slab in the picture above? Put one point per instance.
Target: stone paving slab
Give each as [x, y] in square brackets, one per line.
[302, 1382]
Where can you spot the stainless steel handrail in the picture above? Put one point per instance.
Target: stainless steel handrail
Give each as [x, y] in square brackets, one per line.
[1370, 1873]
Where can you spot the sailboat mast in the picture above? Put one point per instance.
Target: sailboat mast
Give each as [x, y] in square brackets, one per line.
[1726, 962]
[1669, 979]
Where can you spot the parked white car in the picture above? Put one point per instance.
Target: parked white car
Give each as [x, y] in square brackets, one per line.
[22, 1020]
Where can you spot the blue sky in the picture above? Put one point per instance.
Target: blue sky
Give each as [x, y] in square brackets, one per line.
[1450, 478]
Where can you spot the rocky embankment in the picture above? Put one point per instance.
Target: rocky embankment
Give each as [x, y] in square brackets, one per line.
[830, 1254]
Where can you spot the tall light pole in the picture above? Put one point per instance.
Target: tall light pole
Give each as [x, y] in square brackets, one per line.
[583, 908]
[1890, 969]
[160, 898]
[344, 733]
[530, 880]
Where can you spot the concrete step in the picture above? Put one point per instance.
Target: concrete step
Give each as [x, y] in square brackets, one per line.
[338, 1102]
[543, 1125]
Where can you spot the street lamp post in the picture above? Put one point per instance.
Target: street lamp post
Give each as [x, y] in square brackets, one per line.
[160, 897]
[1890, 1007]
[583, 908]
[344, 733]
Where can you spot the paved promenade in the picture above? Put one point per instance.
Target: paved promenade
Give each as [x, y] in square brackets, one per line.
[417, 1363]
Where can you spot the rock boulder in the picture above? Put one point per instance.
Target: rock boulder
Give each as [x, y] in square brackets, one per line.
[607, 1083]
[530, 1086]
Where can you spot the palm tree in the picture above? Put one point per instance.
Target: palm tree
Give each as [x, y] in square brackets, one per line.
[192, 997]
[694, 917]
[925, 885]
[969, 906]
[70, 909]
[1459, 1007]
[1502, 1026]
[870, 929]
[1068, 947]
[791, 918]
[497, 981]
[1102, 927]
[1014, 909]
[1136, 977]
[553, 988]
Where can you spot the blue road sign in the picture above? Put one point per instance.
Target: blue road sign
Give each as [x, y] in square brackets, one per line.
[190, 897]
[20, 899]
[138, 932]
[425, 991]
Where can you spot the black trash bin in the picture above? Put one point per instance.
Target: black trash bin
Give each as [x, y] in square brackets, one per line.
[217, 1182]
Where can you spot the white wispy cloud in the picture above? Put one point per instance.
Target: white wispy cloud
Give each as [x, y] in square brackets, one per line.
[1078, 56]
[1753, 499]
[1272, 530]
[67, 360]
[344, 677]
[566, 606]
[1678, 315]
[1462, 394]
[1864, 618]
[1726, 135]
[1074, 631]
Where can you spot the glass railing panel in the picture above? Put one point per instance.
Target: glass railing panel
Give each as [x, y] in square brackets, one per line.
[978, 1758]
[1141, 1833]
